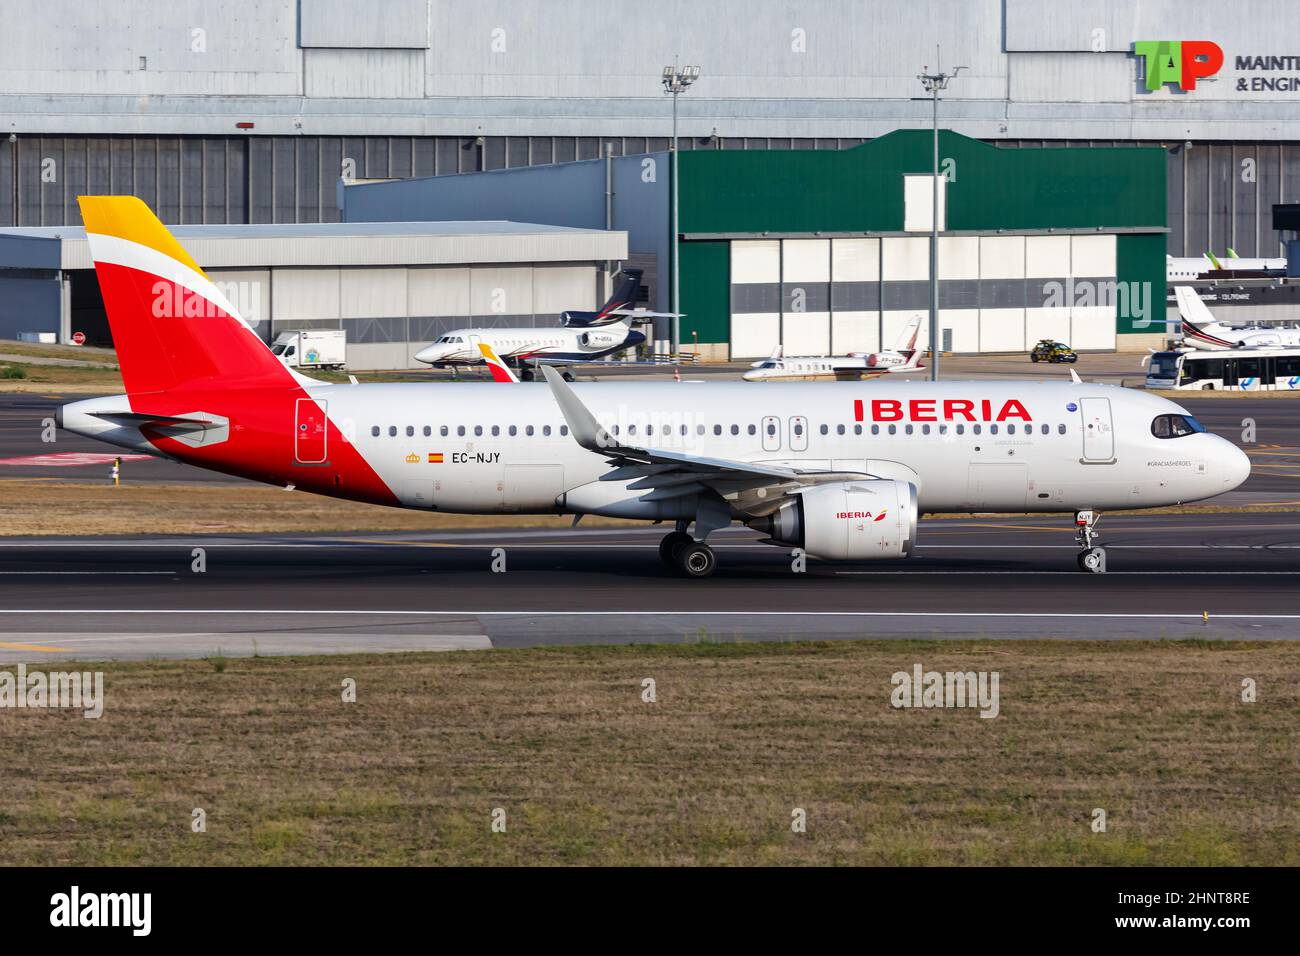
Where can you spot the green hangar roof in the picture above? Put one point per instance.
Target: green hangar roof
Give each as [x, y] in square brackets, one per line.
[860, 189]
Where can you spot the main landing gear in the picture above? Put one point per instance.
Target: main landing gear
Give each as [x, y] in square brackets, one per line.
[1092, 558]
[688, 553]
[690, 558]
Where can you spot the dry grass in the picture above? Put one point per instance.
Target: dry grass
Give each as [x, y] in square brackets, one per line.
[54, 508]
[1154, 733]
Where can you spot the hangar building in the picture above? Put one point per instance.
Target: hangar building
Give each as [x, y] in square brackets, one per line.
[230, 111]
[251, 111]
[827, 252]
[394, 287]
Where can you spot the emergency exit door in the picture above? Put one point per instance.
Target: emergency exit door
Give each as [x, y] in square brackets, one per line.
[1098, 435]
[798, 433]
[310, 431]
[771, 433]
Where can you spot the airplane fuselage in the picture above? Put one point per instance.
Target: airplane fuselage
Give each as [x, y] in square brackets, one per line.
[486, 448]
[822, 368]
[461, 347]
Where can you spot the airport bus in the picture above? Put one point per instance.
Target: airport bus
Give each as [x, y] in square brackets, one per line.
[1243, 370]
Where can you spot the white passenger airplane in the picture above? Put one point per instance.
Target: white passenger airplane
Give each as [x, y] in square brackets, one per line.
[1210, 266]
[583, 337]
[903, 357]
[1202, 331]
[839, 470]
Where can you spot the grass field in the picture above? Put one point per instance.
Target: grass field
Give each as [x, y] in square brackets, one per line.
[741, 734]
[56, 508]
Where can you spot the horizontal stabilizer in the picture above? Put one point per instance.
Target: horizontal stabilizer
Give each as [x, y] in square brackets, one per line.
[144, 418]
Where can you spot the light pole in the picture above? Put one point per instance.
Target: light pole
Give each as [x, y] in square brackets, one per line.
[677, 81]
[934, 83]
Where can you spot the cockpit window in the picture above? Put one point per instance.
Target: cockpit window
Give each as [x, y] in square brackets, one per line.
[1175, 426]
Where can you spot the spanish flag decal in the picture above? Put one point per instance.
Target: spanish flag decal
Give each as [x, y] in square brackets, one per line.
[435, 458]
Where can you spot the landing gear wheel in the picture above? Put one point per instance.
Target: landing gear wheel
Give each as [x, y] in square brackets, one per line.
[695, 560]
[672, 542]
[526, 375]
[1093, 561]
[567, 376]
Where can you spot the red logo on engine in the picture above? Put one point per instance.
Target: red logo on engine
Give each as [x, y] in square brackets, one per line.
[850, 515]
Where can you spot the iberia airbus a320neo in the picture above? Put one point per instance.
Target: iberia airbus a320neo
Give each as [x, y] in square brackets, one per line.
[840, 470]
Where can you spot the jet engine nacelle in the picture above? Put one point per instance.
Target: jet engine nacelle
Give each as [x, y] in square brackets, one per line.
[847, 521]
[599, 340]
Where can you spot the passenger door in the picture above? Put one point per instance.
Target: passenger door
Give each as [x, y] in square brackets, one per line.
[310, 431]
[1098, 435]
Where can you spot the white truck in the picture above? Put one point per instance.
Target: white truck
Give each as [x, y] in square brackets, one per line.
[312, 348]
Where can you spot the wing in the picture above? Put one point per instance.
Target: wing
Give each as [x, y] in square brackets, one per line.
[753, 487]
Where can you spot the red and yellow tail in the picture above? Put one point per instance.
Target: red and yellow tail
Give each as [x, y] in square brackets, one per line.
[500, 370]
[171, 326]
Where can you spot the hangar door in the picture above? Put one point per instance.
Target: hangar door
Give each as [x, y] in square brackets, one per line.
[997, 293]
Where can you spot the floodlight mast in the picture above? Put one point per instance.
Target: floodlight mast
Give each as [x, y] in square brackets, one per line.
[676, 81]
[935, 83]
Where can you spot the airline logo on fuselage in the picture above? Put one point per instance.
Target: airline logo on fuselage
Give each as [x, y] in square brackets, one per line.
[941, 410]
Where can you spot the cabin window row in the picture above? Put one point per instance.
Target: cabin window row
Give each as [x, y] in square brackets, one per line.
[495, 431]
[958, 429]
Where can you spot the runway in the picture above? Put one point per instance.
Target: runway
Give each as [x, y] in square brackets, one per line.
[1214, 577]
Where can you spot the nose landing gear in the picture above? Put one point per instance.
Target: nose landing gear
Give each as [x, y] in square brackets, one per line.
[1092, 558]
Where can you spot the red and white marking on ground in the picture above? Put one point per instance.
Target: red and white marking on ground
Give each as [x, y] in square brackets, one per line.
[69, 459]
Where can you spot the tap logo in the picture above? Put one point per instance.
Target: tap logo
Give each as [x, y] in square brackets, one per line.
[1181, 62]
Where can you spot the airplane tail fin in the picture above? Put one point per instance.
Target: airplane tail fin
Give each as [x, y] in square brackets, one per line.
[623, 297]
[500, 370]
[907, 339]
[1196, 315]
[172, 327]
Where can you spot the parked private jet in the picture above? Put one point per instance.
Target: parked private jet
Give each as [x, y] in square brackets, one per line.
[840, 470]
[583, 337]
[1202, 331]
[904, 357]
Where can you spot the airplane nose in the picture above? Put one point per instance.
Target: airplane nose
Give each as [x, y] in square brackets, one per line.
[1236, 468]
[429, 354]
